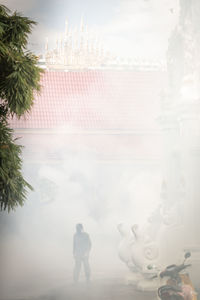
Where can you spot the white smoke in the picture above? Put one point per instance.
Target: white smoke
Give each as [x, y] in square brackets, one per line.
[37, 238]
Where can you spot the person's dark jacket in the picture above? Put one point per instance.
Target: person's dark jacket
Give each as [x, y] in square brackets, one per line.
[81, 244]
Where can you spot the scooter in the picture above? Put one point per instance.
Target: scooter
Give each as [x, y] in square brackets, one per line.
[178, 283]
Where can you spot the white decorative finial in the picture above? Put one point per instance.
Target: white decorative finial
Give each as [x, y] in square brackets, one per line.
[66, 27]
[47, 44]
[81, 24]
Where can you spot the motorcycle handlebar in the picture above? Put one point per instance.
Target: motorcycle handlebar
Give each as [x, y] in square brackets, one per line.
[182, 267]
[174, 271]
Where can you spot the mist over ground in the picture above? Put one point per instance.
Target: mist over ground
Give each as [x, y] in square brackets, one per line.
[100, 186]
[73, 187]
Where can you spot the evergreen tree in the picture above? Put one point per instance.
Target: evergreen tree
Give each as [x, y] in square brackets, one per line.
[19, 79]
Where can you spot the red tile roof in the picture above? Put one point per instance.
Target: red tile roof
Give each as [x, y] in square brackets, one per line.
[97, 100]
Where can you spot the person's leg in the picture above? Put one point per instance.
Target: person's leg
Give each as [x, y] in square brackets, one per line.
[77, 269]
[86, 268]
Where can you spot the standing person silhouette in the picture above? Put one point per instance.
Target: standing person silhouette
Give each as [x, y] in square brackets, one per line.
[81, 250]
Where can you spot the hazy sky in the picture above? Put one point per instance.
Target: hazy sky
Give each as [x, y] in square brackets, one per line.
[128, 28]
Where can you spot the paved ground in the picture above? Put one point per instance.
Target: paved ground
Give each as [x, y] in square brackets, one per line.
[98, 290]
[102, 291]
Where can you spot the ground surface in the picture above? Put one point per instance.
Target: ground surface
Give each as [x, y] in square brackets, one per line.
[98, 290]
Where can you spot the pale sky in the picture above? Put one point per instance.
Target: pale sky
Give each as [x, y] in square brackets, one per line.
[128, 28]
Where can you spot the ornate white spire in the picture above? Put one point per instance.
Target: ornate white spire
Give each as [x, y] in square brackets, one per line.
[81, 25]
[80, 48]
[46, 44]
[66, 28]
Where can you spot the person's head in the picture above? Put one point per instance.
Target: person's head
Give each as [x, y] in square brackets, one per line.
[79, 228]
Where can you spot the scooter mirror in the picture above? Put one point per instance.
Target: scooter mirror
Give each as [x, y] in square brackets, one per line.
[187, 254]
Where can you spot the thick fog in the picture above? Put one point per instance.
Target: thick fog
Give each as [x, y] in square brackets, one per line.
[126, 201]
[36, 239]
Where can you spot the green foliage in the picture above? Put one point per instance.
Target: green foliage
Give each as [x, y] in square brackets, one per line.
[12, 184]
[19, 73]
[19, 80]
